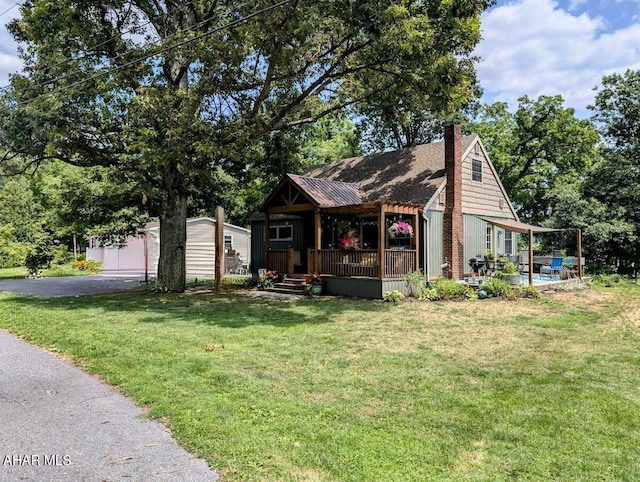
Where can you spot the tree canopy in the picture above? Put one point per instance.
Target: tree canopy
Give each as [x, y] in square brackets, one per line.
[175, 93]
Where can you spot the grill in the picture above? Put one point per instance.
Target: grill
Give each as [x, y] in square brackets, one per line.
[478, 263]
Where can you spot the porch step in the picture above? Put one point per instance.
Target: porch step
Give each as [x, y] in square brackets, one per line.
[293, 286]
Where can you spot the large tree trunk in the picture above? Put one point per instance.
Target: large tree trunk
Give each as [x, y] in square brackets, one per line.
[172, 270]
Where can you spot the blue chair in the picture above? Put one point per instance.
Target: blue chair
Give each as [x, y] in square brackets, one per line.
[556, 266]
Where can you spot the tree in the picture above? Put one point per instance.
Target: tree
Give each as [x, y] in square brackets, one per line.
[615, 182]
[540, 148]
[172, 93]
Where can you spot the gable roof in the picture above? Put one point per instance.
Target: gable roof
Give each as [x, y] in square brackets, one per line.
[411, 175]
[327, 193]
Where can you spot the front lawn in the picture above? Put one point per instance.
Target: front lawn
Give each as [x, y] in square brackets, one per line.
[354, 390]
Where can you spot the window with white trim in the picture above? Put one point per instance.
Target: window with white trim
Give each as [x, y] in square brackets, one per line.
[508, 243]
[228, 242]
[489, 244]
[476, 170]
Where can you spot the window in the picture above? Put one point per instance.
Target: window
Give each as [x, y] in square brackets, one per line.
[281, 233]
[508, 243]
[228, 242]
[489, 244]
[476, 170]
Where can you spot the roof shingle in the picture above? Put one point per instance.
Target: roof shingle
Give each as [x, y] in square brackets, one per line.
[409, 175]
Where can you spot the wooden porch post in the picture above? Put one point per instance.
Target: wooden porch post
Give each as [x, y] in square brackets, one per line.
[317, 242]
[530, 257]
[219, 251]
[416, 238]
[381, 240]
[579, 254]
[290, 261]
[267, 240]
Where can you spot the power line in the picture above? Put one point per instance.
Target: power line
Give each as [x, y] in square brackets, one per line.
[87, 54]
[161, 51]
[10, 8]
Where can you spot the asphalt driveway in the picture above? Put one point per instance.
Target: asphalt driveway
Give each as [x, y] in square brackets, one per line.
[73, 285]
[60, 424]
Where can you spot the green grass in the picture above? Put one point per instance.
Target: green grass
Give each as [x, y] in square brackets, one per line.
[353, 390]
[53, 272]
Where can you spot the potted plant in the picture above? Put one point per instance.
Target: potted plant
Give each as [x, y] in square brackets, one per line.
[488, 256]
[511, 273]
[313, 282]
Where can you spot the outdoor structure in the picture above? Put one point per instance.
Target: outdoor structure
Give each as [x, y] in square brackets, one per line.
[348, 219]
[140, 254]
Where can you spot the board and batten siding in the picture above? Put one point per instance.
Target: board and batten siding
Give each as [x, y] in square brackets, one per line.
[258, 241]
[435, 256]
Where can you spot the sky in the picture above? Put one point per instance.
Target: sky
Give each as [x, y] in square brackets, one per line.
[556, 47]
[529, 47]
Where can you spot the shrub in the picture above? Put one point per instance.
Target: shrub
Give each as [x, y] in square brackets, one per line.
[430, 294]
[527, 291]
[38, 258]
[414, 281]
[392, 296]
[496, 287]
[87, 266]
[449, 289]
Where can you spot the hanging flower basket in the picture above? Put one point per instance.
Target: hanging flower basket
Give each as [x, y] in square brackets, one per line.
[350, 241]
[400, 229]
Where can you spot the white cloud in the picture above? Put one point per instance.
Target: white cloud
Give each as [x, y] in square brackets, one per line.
[533, 47]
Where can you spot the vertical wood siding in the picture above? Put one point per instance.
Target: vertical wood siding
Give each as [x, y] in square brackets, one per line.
[433, 238]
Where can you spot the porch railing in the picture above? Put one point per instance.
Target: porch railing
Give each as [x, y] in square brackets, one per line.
[280, 260]
[364, 262]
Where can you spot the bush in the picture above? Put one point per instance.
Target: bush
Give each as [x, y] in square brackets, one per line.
[449, 289]
[414, 281]
[392, 296]
[40, 257]
[496, 287]
[87, 266]
[430, 294]
[62, 255]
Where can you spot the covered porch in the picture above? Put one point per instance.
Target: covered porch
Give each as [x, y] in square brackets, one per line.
[350, 241]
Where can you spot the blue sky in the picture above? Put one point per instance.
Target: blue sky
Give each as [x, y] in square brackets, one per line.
[556, 47]
[532, 47]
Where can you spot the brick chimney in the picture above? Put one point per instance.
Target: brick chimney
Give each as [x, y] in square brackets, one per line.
[453, 226]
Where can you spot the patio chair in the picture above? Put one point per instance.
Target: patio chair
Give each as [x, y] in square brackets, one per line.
[556, 266]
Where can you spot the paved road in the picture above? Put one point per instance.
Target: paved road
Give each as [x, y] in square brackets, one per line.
[72, 285]
[59, 424]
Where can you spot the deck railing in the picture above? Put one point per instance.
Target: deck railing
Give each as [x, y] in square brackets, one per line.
[364, 262]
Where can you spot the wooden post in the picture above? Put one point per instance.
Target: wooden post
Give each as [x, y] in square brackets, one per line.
[219, 263]
[290, 261]
[317, 243]
[381, 240]
[579, 253]
[530, 257]
[267, 241]
[416, 238]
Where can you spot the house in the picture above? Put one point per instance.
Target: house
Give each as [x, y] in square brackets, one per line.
[446, 191]
[141, 253]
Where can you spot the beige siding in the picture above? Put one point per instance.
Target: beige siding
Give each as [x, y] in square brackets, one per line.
[487, 197]
[241, 240]
[201, 246]
[201, 253]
